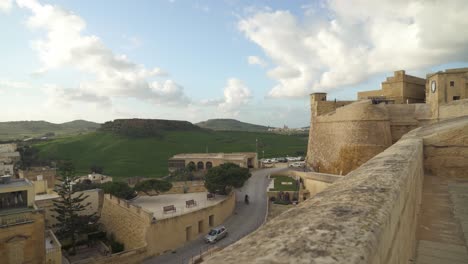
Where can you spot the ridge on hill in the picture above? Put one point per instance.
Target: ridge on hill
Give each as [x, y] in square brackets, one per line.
[146, 127]
[23, 129]
[231, 125]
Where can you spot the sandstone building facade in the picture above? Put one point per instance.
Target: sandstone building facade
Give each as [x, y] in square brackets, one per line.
[445, 87]
[400, 89]
[345, 135]
[22, 233]
[204, 161]
[8, 157]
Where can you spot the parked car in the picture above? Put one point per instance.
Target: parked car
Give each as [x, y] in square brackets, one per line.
[298, 164]
[216, 234]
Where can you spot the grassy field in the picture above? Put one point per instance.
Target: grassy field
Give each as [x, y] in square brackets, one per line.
[231, 125]
[280, 187]
[127, 157]
[27, 129]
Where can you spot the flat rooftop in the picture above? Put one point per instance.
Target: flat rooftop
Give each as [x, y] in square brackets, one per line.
[155, 204]
[15, 183]
[40, 197]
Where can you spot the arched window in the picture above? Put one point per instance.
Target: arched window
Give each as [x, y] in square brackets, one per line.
[209, 165]
[200, 165]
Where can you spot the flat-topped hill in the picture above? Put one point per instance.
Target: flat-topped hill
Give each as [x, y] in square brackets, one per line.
[146, 127]
[231, 125]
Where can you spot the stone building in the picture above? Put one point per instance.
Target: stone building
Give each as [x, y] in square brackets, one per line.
[23, 238]
[204, 161]
[400, 89]
[446, 86]
[8, 158]
[43, 178]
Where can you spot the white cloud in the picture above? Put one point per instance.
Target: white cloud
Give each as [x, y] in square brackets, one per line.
[254, 60]
[5, 5]
[9, 84]
[63, 98]
[66, 45]
[346, 42]
[236, 95]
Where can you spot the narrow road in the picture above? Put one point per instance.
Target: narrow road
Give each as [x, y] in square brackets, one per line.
[245, 219]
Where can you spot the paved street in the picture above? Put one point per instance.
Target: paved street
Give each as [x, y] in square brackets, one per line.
[246, 218]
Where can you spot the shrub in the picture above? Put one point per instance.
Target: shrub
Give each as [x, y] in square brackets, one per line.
[116, 247]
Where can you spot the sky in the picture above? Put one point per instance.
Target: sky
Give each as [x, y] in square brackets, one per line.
[255, 61]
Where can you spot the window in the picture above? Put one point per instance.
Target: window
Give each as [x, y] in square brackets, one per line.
[456, 98]
[452, 83]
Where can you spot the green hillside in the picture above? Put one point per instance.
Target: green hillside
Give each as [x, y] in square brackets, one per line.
[231, 125]
[25, 129]
[123, 156]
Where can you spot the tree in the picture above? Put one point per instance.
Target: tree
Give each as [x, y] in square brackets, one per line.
[96, 169]
[153, 185]
[119, 189]
[68, 207]
[191, 167]
[225, 177]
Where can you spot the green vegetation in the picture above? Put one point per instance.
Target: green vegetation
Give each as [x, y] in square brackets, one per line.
[153, 185]
[118, 189]
[280, 187]
[128, 157]
[231, 125]
[223, 178]
[70, 222]
[27, 129]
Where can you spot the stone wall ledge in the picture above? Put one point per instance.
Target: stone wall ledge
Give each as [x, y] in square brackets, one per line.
[356, 220]
[317, 176]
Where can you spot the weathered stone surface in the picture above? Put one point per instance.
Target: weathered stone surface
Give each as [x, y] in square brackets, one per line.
[342, 140]
[369, 216]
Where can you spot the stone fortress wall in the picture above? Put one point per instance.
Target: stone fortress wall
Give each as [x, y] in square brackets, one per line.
[343, 138]
[369, 216]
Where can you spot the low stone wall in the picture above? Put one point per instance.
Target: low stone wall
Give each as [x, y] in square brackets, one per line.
[170, 233]
[369, 216]
[446, 151]
[187, 187]
[453, 109]
[128, 223]
[315, 182]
